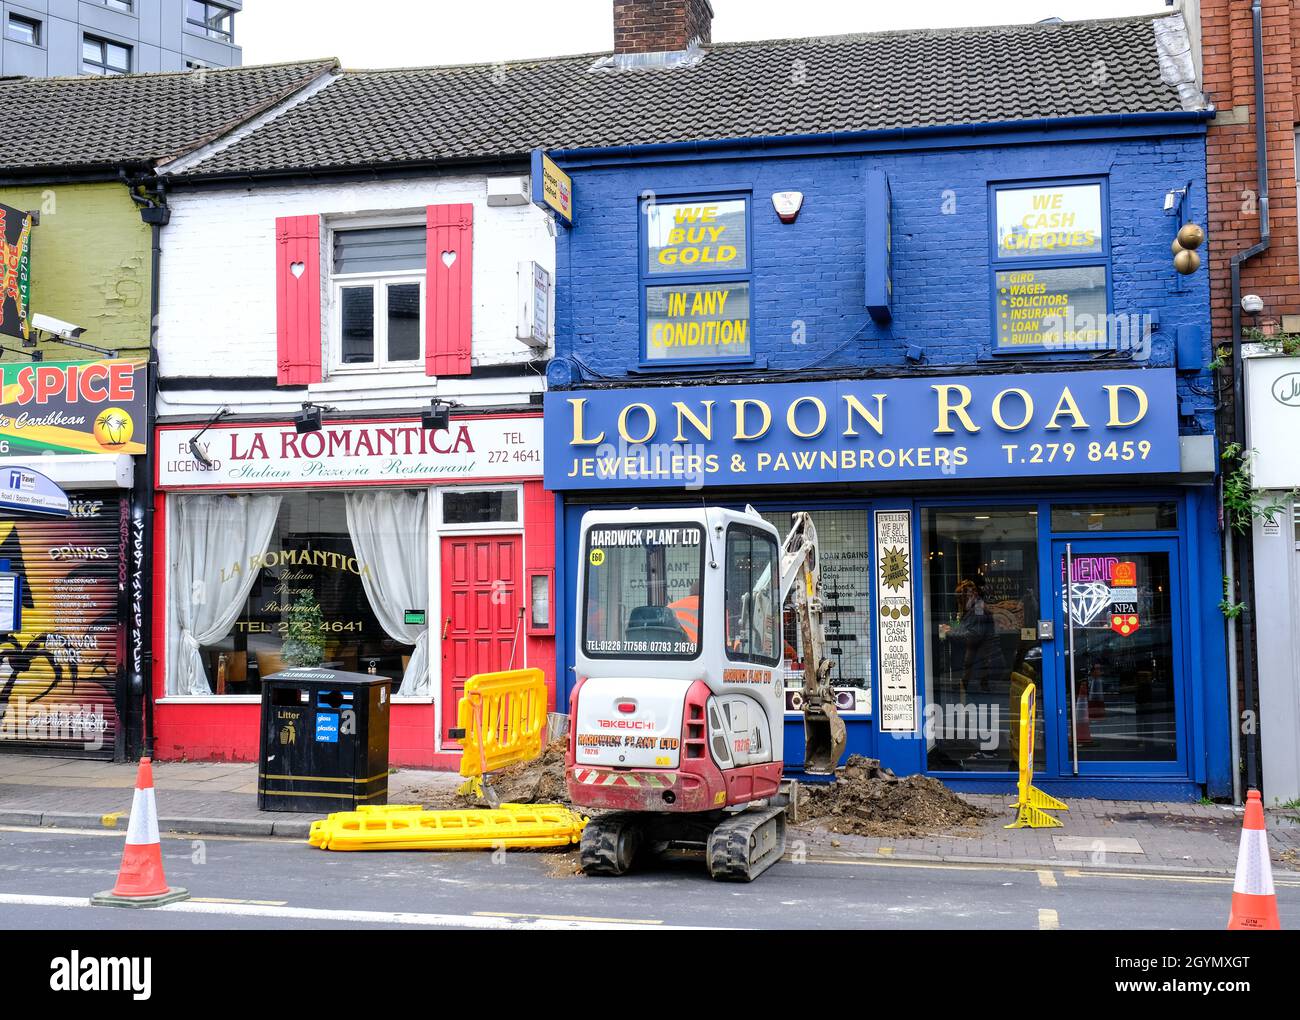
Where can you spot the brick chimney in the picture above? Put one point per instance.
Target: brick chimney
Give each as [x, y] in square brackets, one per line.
[658, 26]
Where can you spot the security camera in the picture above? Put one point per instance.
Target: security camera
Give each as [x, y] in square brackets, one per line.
[1252, 304]
[49, 324]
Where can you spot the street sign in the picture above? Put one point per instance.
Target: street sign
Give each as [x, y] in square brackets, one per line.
[30, 491]
[552, 187]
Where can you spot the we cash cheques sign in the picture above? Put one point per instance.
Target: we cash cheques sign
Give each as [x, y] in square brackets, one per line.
[993, 426]
[393, 452]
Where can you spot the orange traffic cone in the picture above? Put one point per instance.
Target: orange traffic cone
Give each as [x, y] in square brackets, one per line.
[140, 880]
[1254, 903]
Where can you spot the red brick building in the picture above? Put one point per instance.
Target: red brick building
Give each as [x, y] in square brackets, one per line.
[1250, 58]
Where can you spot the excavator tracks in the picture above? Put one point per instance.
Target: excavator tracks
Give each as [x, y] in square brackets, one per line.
[610, 843]
[745, 845]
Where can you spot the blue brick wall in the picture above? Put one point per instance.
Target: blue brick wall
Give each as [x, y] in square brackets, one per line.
[812, 271]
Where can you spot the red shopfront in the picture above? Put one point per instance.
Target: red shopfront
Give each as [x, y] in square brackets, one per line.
[372, 546]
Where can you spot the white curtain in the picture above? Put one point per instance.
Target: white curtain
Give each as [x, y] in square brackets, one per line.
[390, 531]
[214, 540]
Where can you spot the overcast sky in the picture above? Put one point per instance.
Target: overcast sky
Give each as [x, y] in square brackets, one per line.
[412, 33]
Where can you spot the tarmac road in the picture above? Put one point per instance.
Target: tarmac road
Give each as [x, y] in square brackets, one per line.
[46, 876]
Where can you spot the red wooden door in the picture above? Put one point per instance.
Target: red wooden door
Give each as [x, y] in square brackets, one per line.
[481, 596]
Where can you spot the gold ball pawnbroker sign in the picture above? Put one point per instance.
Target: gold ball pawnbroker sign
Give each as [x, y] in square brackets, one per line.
[1187, 262]
[1190, 235]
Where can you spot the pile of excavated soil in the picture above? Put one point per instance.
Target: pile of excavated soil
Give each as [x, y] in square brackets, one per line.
[867, 800]
[540, 781]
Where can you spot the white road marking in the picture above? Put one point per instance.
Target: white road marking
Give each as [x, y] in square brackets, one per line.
[488, 922]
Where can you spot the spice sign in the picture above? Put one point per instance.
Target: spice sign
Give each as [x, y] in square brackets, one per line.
[15, 271]
[398, 452]
[895, 649]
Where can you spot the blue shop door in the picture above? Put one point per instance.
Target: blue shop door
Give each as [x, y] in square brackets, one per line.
[1120, 690]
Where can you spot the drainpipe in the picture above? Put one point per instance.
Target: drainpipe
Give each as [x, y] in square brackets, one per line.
[1243, 542]
[150, 195]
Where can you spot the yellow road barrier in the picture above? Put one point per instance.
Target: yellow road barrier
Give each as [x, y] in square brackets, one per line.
[1032, 804]
[500, 720]
[409, 827]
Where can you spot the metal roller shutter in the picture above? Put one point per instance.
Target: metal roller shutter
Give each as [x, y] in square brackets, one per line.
[60, 674]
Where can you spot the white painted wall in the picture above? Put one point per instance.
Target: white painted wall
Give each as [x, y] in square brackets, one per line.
[218, 310]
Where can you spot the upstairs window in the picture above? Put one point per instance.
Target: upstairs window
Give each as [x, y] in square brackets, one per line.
[212, 20]
[696, 281]
[125, 6]
[1051, 267]
[23, 30]
[104, 57]
[378, 297]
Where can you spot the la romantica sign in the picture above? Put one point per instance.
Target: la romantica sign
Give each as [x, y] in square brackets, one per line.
[391, 452]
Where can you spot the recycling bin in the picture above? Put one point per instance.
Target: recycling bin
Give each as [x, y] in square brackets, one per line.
[324, 743]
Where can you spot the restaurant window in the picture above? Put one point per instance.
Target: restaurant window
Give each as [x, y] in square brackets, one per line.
[378, 297]
[480, 506]
[981, 639]
[844, 539]
[258, 583]
[1051, 267]
[696, 281]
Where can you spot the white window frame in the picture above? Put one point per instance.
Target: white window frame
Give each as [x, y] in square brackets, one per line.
[380, 282]
[483, 527]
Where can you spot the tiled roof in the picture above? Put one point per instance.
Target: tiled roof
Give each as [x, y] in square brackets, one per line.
[89, 122]
[734, 90]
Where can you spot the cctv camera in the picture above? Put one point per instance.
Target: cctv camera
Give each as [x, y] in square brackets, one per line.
[1252, 304]
[49, 324]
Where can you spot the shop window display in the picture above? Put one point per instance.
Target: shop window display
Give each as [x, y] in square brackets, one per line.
[981, 645]
[844, 537]
[258, 583]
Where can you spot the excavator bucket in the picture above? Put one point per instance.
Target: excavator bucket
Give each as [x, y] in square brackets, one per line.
[824, 736]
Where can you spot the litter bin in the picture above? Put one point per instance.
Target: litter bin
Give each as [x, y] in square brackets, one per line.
[324, 740]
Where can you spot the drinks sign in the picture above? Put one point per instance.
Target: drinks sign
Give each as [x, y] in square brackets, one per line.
[350, 453]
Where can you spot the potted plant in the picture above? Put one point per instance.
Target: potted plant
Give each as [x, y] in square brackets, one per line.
[304, 644]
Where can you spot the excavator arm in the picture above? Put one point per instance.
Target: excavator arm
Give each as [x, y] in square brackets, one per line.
[825, 735]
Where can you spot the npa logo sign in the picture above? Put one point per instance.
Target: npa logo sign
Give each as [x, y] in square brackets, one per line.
[989, 426]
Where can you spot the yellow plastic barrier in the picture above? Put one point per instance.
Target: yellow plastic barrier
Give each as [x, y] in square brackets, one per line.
[409, 827]
[1032, 804]
[503, 718]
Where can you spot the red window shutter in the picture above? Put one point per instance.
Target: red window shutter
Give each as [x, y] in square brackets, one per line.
[449, 297]
[297, 300]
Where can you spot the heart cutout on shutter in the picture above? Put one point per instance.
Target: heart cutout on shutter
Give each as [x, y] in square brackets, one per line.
[297, 268]
[448, 257]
